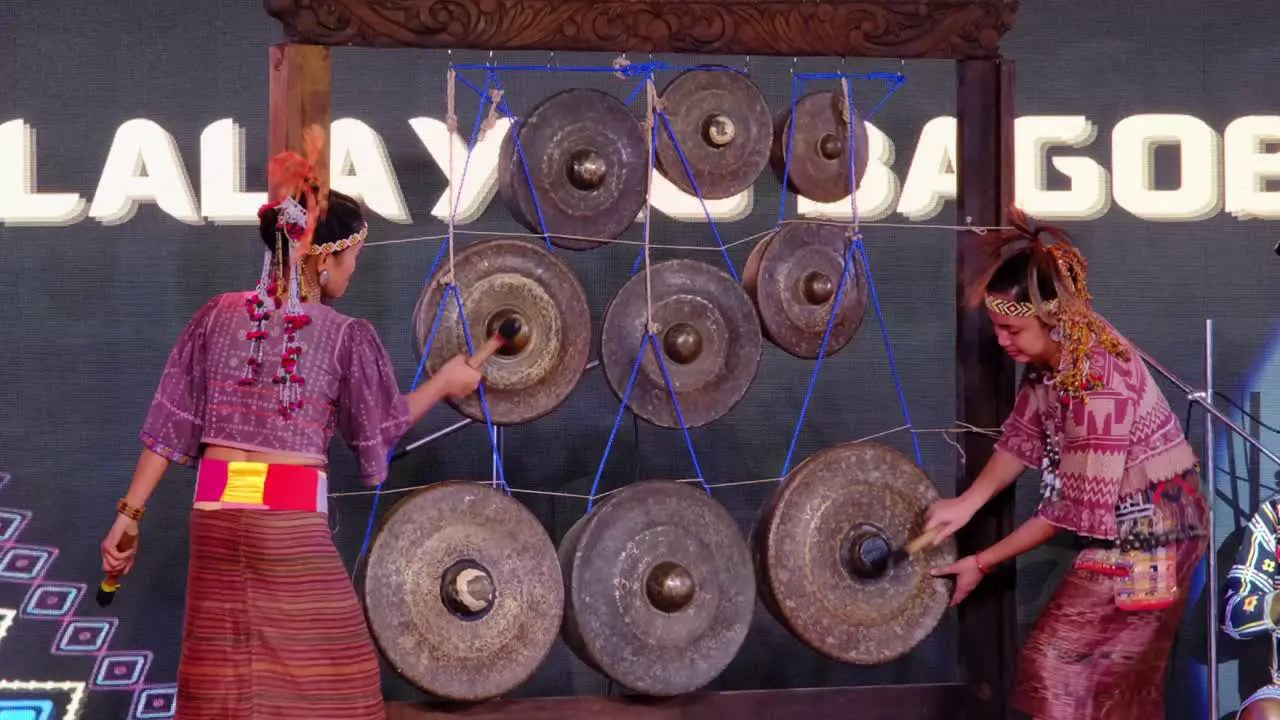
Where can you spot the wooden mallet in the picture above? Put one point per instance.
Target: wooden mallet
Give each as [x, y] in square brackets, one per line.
[913, 547]
[507, 331]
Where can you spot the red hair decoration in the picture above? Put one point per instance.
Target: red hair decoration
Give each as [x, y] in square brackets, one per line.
[294, 175]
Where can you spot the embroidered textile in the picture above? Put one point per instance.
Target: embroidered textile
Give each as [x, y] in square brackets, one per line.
[1251, 582]
[351, 387]
[1096, 452]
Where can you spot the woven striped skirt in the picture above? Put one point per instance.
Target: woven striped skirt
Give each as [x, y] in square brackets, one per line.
[1087, 659]
[273, 627]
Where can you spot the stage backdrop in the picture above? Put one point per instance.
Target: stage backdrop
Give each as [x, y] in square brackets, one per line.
[132, 157]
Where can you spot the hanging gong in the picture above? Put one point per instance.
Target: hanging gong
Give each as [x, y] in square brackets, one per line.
[510, 174]
[658, 593]
[707, 330]
[589, 162]
[497, 279]
[819, 145]
[793, 275]
[463, 591]
[724, 129]
[823, 548]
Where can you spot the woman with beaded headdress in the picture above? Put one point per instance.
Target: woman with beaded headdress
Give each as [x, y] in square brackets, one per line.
[251, 395]
[1117, 472]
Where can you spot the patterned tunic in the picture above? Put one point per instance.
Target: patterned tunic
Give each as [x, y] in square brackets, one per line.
[350, 386]
[1118, 472]
[1101, 458]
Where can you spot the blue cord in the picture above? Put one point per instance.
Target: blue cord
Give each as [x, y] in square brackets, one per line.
[533, 192]
[435, 326]
[636, 93]
[484, 403]
[888, 348]
[617, 421]
[895, 81]
[817, 366]
[675, 403]
[696, 191]
[631, 70]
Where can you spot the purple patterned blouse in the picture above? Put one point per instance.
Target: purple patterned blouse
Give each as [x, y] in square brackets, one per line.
[350, 386]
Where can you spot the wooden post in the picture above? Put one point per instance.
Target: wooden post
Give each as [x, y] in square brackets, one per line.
[300, 89]
[984, 373]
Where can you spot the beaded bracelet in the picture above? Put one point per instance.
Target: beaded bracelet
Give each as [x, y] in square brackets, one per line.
[129, 511]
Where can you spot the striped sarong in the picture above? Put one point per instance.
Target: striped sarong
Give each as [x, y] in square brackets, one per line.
[273, 627]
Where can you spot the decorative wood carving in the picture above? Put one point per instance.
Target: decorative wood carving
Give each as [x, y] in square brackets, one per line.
[835, 28]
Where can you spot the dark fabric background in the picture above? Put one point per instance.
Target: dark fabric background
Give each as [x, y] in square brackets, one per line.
[91, 311]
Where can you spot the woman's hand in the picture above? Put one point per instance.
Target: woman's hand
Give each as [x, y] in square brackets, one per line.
[458, 379]
[945, 517]
[967, 574]
[114, 560]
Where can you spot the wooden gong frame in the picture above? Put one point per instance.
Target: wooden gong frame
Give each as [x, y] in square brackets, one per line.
[966, 31]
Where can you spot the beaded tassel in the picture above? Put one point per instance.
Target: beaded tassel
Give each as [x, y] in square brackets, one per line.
[258, 306]
[289, 380]
[267, 297]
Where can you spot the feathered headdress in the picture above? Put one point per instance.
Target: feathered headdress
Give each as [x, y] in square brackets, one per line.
[1070, 315]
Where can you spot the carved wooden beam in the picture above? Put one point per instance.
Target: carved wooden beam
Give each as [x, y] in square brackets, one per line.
[946, 29]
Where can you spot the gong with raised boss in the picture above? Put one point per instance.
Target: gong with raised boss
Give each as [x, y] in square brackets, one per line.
[463, 591]
[824, 552]
[498, 279]
[811, 147]
[580, 172]
[719, 129]
[794, 275]
[708, 335]
[658, 594]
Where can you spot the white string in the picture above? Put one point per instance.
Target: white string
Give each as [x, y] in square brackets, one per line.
[847, 111]
[979, 229]
[451, 122]
[651, 94]
[946, 433]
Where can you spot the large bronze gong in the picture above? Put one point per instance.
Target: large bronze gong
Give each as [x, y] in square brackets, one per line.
[588, 164]
[724, 130]
[823, 548]
[816, 137]
[658, 588]
[500, 278]
[794, 275]
[707, 331]
[463, 591]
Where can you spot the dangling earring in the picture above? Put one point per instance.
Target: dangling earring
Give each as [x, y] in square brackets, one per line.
[324, 278]
[1055, 333]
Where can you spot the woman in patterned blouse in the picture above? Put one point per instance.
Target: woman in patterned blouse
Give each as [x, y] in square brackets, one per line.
[251, 395]
[1252, 610]
[1117, 472]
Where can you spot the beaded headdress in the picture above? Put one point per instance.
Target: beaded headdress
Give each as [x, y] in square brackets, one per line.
[1070, 315]
[292, 176]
